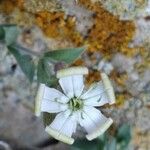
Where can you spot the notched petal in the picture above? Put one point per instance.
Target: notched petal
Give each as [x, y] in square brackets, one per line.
[38, 100]
[63, 126]
[52, 106]
[72, 71]
[108, 87]
[100, 130]
[94, 122]
[66, 84]
[49, 100]
[72, 85]
[78, 85]
[54, 95]
[96, 95]
[61, 137]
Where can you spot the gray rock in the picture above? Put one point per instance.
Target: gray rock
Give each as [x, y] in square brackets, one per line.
[122, 64]
[142, 121]
[82, 15]
[105, 66]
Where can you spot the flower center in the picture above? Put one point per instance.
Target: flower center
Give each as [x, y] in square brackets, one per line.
[75, 104]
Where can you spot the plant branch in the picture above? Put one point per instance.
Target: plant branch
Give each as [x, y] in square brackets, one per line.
[26, 50]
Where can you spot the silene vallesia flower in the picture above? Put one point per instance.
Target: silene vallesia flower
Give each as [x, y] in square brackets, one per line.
[75, 105]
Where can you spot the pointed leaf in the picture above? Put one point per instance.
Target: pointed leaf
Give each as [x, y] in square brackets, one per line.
[48, 118]
[83, 144]
[111, 144]
[25, 62]
[124, 132]
[2, 33]
[102, 141]
[44, 75]
[65, 55]
[124, 136]
[11, 34]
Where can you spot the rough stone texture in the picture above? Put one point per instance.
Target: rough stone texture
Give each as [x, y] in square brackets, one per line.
[17, 106]
[122, 63]
[18, 124]
[83, 16]
[44, 5]
[142, 35]
[58, 147]
[129, 9]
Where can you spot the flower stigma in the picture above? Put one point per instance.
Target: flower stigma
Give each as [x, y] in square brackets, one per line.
[75, 104]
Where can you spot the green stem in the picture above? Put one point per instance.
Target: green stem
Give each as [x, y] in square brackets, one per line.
[23, 49]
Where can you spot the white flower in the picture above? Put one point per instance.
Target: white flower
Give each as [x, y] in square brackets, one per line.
[75, 105]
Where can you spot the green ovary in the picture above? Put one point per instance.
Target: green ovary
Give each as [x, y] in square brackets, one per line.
[75, 104]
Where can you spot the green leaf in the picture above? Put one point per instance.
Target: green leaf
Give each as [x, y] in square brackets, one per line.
[124, 136]
[102, 141]
[11, 34]
[83, 144]
[2, 33]
[25, 62]
[124, 132]
[111, 144]
[7, 25]
[65, 55]
[74, 148]
[44, 73]
[48, 118]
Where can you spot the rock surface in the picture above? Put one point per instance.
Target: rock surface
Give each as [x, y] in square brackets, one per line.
[129, 74]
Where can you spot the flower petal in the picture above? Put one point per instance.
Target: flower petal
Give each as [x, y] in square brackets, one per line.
[63, 127]
[94, 122]
[55, 134]
[38, 100]
[78, 85]
[52, 106]
[100, 130]
[72, 85]
[72, 71]
[66, 84]
[54, 95]
[49, 100]
[108, 87]
[96, 95]
[94, 89]
[100, 93]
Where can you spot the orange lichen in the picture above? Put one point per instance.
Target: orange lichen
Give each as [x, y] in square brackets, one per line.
[108, 34]
[145, 62]
[7, 6]
[54, 25]
[119, 78]
[20, 4]
[94, 76]
[79, 62]
[120, 99]
[140, 139]
[49, 22]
